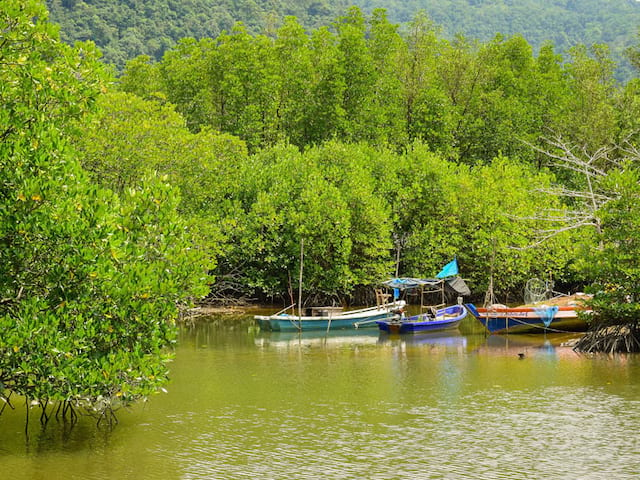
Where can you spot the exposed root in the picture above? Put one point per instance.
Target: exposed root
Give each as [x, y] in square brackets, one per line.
[109, 416]
[68, 412]
[611, 339]
[44, 418]
[6, 400]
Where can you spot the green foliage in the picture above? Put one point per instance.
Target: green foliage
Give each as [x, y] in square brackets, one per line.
[627, 112]
[457, 109]
[614, 264]
[428, 109]
[90, 282]
[92, 327]
[326, 89]
[633, 53]
[292, 198]
[388, 52]
[355, 171]
[359, 76]
[142, 78]
[293, 63]
[182, 80]
[589, 117]
[129, 138]
[468, 101]
[463, 100]
[353, 205]
[485, 215]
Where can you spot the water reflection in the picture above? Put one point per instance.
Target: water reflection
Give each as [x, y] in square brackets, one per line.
[442, 339]
[331, 339]
[523, 346]
[350, 338]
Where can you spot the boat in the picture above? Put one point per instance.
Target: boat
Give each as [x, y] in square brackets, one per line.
[432, 318]
[442, 319]
[559, 314]
[326, 318]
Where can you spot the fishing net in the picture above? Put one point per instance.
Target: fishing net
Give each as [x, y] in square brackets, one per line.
[546, 314]
[536, 291]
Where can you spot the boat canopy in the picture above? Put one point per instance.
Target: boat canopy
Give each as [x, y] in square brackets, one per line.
[455, 284]
[406, 283]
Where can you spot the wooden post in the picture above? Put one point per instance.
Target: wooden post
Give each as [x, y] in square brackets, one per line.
[300, 284]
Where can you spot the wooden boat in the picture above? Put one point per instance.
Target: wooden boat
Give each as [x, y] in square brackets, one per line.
[559, 314]
[326, 318]
[432, 318]
[447, 318]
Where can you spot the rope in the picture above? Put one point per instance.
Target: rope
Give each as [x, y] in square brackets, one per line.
[357, 324]
[538, 326]
[298, 325]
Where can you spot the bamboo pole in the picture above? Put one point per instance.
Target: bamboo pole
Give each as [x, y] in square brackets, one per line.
[300, 284]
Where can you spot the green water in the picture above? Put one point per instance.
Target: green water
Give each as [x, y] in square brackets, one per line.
[355, 405]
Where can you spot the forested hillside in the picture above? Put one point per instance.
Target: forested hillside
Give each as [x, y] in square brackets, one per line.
[563, 22]
[124, 29]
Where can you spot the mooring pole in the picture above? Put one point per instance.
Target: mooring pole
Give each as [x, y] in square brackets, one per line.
[300, 284]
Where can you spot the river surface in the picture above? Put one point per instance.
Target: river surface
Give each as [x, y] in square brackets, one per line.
[355, 405]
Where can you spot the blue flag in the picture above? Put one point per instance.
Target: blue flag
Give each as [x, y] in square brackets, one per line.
[449, 270]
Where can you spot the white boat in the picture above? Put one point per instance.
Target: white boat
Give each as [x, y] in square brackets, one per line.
[329, 318]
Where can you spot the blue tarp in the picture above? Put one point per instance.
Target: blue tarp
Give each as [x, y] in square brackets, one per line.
[407, 283]
[455, 284]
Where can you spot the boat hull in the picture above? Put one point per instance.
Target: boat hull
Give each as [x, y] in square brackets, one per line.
[446, 319]
[365, 318]
[528, 319]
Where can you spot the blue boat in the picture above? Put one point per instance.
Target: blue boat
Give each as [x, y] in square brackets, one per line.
[432, 318]
[329, 318]
[442, 319]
